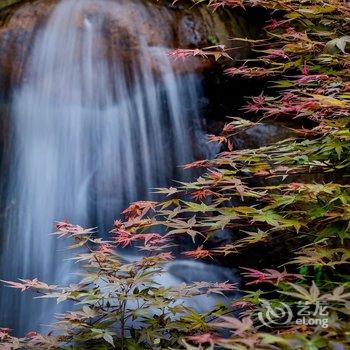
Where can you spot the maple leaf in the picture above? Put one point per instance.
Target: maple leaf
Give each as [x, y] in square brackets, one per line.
[292, 33]
[153, 241]
[256, 104]
[215, 138]
[25, 284]
[125, 238]
[106, 248]
[117, 224]
[305, 79]
[231, 3]
[320, 255]
[251, 107]
[167, 256]
[202, 194]
[268, 276]
[36, 340]
[4, 332]
[65, 228]
[240, 327]
[138, 210]
[258, 276]
[338, 295]
[273, 23]
[216, 287]
[155, 259]
[32, 334]
[167, 191]
[216, 51]
[294, 186]
[153, 238]
[181, 53]
[196, 164]
[199, 253]
[203, 338]
[182, 226]
[276, 53]
[249, 72]
[238, 304]
[312, 295]
[216, 175]
[254, 237]
[229, 128]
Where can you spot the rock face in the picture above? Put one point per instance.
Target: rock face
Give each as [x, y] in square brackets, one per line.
[180, 26]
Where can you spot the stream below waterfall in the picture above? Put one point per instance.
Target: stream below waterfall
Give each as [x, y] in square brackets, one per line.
[93, 130]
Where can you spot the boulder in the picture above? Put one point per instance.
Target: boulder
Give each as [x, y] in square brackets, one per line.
[162, 24]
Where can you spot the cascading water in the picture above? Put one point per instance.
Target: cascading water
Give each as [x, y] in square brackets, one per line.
[96, 124]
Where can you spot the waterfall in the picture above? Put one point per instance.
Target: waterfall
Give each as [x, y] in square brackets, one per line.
[99, 117]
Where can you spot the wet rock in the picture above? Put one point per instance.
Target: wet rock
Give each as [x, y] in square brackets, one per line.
[18, 24]
[163, 24]
[262, 135]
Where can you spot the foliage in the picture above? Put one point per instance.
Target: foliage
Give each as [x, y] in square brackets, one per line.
[292, 192]
[120, 303]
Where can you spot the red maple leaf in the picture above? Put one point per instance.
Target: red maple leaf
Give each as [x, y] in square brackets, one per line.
[268, 276]
[139, 209]
[294, 186]
[153, 238]
[203, 338]
[201, 194]
[124, 237]
[196, 164]
[199, 253]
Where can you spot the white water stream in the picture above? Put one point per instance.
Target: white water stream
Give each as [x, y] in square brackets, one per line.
[93, 131]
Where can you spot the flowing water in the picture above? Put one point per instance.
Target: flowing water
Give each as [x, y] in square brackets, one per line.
[96, 124]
